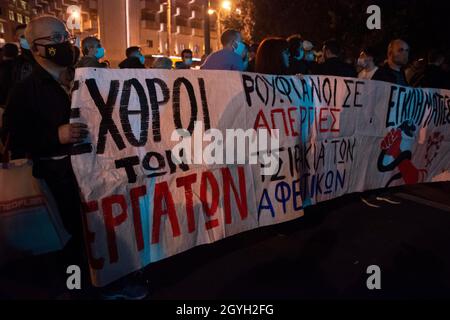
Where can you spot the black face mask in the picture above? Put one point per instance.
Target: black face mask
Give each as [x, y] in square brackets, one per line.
[62, 54]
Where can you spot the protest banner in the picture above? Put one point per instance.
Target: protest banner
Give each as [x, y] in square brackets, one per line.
[334, 136]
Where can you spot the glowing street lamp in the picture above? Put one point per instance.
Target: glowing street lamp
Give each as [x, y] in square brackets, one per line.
[75, 15]
[226, 5]
[74, 21]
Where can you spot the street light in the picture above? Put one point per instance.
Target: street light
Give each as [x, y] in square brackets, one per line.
[74, 21]
[225, 5]
[75, 15]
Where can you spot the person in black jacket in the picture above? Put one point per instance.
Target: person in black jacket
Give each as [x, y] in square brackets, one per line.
[433, 76]
[397, 58]
[10, 52]
[135, 59]
[23, 64]
[333, 65]
[37, 118]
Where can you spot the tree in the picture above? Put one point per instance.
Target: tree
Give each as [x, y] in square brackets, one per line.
[241, 20]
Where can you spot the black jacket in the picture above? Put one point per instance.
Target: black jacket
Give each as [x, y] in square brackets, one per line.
[6, 83]
[23, 66]
[89, 62]
[13, 72]
[432, 77]
[251, 65]
[297, 66]
[335, 67]
[37, 107]
[131, 63]
[385, 73]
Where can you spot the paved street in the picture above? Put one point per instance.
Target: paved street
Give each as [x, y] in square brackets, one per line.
[322, 255]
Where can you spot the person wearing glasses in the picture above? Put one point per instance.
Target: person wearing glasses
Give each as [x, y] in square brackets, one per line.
[37, 119]
[15, 68]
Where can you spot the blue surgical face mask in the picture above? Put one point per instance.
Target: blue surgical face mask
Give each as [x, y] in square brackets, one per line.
[240, 48]
[100, 53]
[24, 44]
[310, 56]
[142, 59]
[301, 55]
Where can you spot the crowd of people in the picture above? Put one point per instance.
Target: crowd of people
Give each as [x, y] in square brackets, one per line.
[274, 55]
[36, 81]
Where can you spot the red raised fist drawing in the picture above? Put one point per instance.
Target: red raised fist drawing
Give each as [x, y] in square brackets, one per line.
[391, 143]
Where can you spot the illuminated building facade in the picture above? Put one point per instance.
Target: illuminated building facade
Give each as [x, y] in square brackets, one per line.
[122, 23]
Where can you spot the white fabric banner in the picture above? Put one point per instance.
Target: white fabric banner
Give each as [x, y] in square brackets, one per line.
[336, 136]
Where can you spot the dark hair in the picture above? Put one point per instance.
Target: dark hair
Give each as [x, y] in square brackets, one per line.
[132, 50]
[333, 45]
[20, 27]
[88, 43]
[295, 42]
[186, 51]
[269, 56]
[10, 50]
[371, 52]
[228, 36]
[434, 55]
